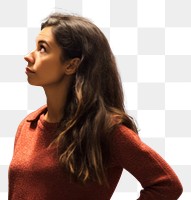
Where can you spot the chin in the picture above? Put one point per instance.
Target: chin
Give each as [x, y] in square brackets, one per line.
[31, 82]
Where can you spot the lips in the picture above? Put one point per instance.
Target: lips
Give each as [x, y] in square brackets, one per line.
[28, 70]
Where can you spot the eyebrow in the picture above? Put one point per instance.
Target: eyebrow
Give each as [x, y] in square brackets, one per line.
[43, 42]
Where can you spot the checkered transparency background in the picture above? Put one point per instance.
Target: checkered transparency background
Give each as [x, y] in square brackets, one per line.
[151, 40]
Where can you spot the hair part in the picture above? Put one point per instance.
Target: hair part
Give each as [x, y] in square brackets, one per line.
[95, 106]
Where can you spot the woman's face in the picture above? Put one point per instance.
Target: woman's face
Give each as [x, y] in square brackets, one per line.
[44, 65]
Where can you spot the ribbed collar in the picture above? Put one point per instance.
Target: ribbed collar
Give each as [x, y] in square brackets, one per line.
[34, 116]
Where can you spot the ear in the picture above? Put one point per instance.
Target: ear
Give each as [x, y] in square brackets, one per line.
[72, 66]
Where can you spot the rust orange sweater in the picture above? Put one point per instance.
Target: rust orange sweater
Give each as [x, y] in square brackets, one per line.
[35, 174]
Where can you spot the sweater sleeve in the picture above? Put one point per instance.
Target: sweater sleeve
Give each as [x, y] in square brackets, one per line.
[157, 178]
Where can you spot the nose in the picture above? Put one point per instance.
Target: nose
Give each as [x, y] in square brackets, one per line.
[29, 57]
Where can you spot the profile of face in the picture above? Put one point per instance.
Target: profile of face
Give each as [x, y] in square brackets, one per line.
[44, 64]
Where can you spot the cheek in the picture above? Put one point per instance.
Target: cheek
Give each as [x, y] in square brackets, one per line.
[50, 72]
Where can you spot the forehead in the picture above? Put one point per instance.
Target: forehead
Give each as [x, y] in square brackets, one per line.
[47, 35]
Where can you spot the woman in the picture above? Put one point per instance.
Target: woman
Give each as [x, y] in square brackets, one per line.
[76, 146]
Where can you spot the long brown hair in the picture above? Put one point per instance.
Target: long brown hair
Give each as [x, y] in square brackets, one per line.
[95, 104]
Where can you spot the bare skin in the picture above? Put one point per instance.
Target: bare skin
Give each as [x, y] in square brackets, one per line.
[46, 69]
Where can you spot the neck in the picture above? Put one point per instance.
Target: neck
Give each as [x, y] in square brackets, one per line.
[56, 101]
[55, 108]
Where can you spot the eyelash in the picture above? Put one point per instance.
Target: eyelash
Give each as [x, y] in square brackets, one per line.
[42, 47]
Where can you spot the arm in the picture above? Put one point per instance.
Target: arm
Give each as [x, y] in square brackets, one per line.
[157, 178]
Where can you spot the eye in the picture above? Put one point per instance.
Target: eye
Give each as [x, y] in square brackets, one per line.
[42, 49]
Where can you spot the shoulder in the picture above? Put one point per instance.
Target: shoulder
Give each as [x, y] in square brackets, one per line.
[123, 133]
[33, 116]
[124, 142]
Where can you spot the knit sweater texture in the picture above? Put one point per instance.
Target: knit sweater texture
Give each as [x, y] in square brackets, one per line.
[35, 173]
